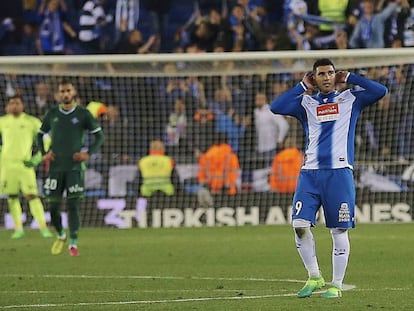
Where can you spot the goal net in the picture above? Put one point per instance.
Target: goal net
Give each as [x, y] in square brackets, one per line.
[183, 100]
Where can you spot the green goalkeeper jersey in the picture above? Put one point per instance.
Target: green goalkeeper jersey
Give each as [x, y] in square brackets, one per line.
[18, 135]
[68, 131]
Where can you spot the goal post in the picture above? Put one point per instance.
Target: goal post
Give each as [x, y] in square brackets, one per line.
[150, 64]
[159, 96]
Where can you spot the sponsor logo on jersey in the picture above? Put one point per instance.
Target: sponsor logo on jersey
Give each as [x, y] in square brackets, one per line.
[75, 188]
[75, 120]
[327, 112]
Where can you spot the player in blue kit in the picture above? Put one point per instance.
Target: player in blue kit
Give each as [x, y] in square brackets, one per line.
[326, 179]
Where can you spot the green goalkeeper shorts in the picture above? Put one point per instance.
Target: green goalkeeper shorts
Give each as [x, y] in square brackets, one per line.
[16, 178]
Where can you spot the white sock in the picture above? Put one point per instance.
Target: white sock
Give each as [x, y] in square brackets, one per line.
[306, 248]
[340, 255]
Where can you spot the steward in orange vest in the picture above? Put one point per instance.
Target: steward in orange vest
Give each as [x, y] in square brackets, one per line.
[218, 168]
[285, 169]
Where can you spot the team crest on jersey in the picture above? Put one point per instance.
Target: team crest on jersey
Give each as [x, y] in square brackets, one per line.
[327, 112]
[344, 214]
[75, 120]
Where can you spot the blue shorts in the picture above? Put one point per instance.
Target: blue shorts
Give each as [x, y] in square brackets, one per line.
[334, 189]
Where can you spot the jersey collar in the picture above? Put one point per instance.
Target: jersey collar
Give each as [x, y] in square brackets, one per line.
[67, 111]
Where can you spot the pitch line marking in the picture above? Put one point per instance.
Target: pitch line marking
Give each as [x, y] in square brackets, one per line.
[146, 302]
[83, 276]
[142, 302]
[136, 302]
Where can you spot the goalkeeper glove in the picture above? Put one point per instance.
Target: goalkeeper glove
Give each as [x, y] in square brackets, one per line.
[34, 161]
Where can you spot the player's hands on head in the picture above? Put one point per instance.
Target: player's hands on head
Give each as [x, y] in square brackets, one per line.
[80, 156]
[340, 76]
[309, 81]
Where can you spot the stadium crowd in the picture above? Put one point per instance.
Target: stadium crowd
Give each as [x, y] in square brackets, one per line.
[44, 27]
[186, 113]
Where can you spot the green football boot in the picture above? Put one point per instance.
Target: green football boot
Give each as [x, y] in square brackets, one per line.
[311, 285]
[18, 234]
[332, 292]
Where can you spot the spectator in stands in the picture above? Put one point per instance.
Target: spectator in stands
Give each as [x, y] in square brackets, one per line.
[201, 130]
[218, 168]
[221, 29]
[156, 171]
[43, 100]
[248, 33]
[53, 27]
[7, 35]
[176, 88]
[233, 125]
[132, 43]
[382, 138]
[30, 11]
[11, 84]
[310, 39]
[28, 44]
[255, 9]
[91, 21]
[341, 40]
[175, 131]
[406, 137]
[11, 16]
[295, 25]
[126, 17]
[278, 41]
[221, 99]
[206, 6]
[408, 31]
[159, 15]
[285, 168]
[369, 31]
[271, 129]
[202, 37]
[395, 24]
[118, 138]
[278, 86]
[196, 92]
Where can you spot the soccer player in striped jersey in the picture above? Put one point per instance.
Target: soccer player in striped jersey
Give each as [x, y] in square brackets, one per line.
[67, 124]
[18, 131]
[326, 179]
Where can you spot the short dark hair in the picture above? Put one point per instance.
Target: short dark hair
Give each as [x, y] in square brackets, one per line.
[65, 81]
[322, 62]
[16, 96]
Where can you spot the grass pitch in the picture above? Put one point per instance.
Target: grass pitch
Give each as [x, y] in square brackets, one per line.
[220, 268]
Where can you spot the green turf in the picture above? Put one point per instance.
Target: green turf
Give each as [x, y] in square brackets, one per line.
[221, 268]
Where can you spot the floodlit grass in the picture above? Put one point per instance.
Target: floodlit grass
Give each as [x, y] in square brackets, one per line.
[221, 268]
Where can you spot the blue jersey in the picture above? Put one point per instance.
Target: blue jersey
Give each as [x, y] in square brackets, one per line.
[329, 120]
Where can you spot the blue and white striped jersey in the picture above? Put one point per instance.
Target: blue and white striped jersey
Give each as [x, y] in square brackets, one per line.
[329, 120]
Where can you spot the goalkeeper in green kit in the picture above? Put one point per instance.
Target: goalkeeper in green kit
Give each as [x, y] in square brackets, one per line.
[18, 131]
[67, 124]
